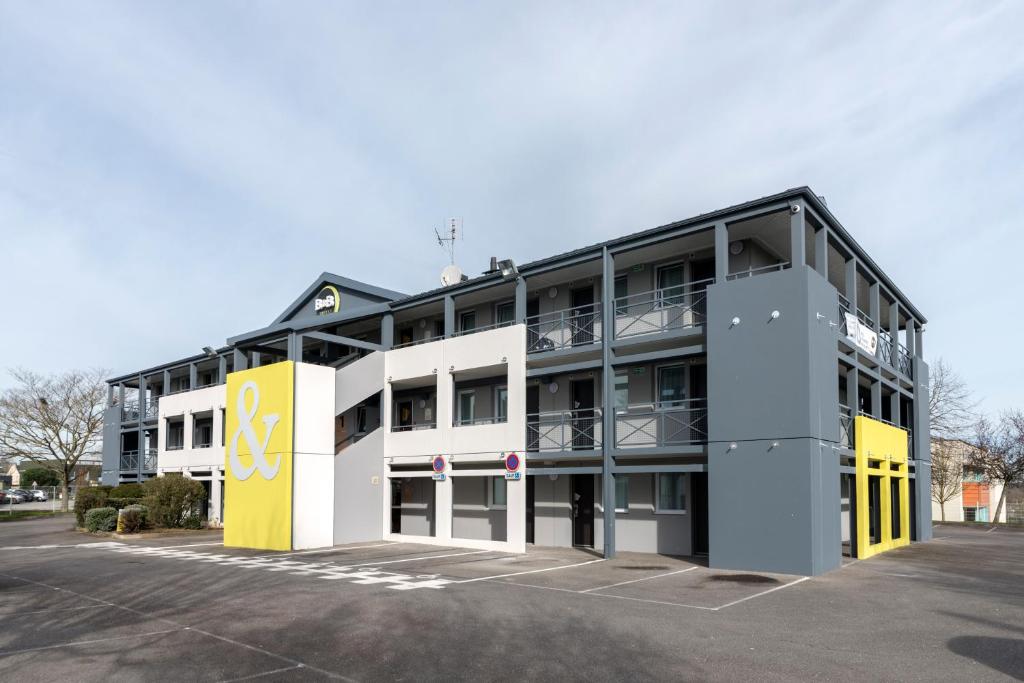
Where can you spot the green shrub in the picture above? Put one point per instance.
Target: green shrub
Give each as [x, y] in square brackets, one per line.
[133, 518]
[192, 522]
[126, 491]
[172, 499]
[87, 499]
[120, 503]
[101, 519]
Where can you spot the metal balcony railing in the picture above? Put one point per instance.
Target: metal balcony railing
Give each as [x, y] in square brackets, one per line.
[129, 461]
[749, 272]
[904, 361]
[845, 426]
[563, 329]
[669, 423]
[476, 421]
[483, 328]
[661, 310]
[885, 349]
[413, 427]
[152, 408]
[149, 464]
[564, 430]
[889, 351]
[416, 342]
[130, 411]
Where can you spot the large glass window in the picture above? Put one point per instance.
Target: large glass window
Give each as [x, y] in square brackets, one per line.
[505, 313]
[621, 390]
[621, 292]
[467, 407]
[497, 493]
[671, 385]
[467, 321]
[175, 434]
[670, 284]
[672, 492]
[622, 493]
[501, 402]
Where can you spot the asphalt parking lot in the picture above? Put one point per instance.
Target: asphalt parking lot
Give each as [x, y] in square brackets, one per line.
[74, 607]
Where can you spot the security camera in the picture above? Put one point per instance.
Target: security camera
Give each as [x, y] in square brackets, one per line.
[794, 208]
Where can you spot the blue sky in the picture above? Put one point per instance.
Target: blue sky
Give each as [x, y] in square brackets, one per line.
[172, 174]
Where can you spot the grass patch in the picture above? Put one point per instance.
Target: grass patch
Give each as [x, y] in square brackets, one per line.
[14, 515]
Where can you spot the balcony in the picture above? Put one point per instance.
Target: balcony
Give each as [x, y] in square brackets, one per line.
[671, 423]
[417, 342]
[889, 351]
[483, 328]
[662, 310]
[477, 421]
[413, 427]
[846, 426]
[149, 463]
[564, 430]
[129, 461]
[564, 329]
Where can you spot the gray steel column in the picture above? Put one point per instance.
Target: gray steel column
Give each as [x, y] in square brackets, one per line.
[874, 305]
[853, 390]
[222, 369]
[110, 395]
[721, 252]
[257, 358]
[797, 238]
[520, 300]
[918, 340]
[821, 252]
[142, 412]
[193, 376]
[449, 316]
[851, 284]
[240, 362]
[894, 409]
[167, 381]
[922, 454]
[894, 326]
[120, 398]
[876, 399]
[387, 331]
[294, 349]
[608, 402]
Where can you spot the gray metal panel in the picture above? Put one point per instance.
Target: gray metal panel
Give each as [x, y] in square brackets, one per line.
[111, 445]
[922, 454]
[773, 391]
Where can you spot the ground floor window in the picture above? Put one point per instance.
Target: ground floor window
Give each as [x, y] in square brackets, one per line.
[497, 493]
[622, 493]
[671, 492]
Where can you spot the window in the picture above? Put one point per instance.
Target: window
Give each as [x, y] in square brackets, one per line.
[202, 432]
[501, 403]
[467, 321]
[467, 407]
[223, 425]
[497, 493]
[175, 435]
[671, 493]
[405, 413]
[622, 493]
[405, 335]
[360, 419]
[671, 281]
[671, 386]
[621, 391]
[621, 292]
[505, 313]
[438, 328]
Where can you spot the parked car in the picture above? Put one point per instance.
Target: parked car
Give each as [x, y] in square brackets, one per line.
[3, 497]
[12, 498]
[25, 496]
[39, 495]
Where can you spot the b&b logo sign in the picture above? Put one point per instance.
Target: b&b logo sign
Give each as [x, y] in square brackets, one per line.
[327, 301]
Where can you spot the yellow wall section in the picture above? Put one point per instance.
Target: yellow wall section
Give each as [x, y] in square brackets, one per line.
[880, 446]
[258, 467]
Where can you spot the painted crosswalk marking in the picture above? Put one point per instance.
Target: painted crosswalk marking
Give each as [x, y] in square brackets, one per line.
[364, 575]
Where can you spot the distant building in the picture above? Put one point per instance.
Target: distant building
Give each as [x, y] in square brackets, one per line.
[978, 497]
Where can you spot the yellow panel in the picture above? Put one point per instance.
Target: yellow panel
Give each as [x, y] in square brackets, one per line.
[258, 457]
[879, 446]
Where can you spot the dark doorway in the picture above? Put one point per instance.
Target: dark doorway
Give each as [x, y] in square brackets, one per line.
[532, 335]
[533, 418]
[405, 336]
[699, 482]
[875, 509]
[582, 326]
[701, 274]
[530, 493]
[582, 395]
[396, 506]
[583, 510]
[405, 413]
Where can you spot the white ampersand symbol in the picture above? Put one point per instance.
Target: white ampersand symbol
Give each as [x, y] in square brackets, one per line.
[259, 452]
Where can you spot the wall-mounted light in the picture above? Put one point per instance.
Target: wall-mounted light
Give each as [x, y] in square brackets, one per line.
[209, 351]
[775, 315]
[733, 446]
[735, 321]
[552, 292]
[508, 270]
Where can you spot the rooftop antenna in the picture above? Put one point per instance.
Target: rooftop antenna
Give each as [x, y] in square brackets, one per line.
[452, 232]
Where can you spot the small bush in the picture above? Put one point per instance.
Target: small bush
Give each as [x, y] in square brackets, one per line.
[172, 499]
[126, 491]
[87, 499]
[101, 519]
[133, 519]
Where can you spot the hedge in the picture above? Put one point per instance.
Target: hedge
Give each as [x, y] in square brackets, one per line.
[173, 500]
[132, 518]
[101, 519]
[87, 499]
[121, 503]
[126, 491]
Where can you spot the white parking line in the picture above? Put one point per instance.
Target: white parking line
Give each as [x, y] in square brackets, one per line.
[339, 549]
[532, 571]
[646, 578]
[770, 590]
[188, 545]
[412, 559]
[88, 642]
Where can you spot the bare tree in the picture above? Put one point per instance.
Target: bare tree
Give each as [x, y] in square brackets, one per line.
[1000, 451]
[947, 472]
[54, 421]
[951, 407]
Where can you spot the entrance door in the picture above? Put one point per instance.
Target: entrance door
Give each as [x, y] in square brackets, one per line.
[583, 510]
[582, 394]
[533, 418]
[396, 506]
[582, 325]
[530, 493]
[699, 482]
